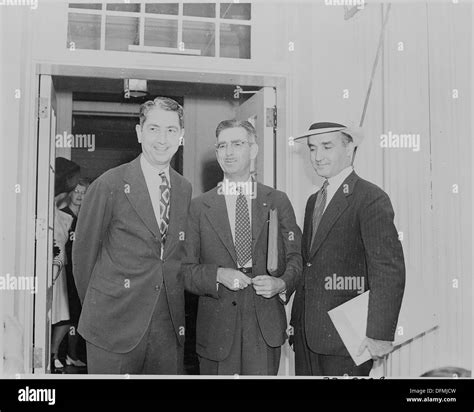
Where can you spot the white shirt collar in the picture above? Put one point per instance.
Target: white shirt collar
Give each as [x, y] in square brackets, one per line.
[230, 184]
[226, 180]
[336, 181]
[148, 168]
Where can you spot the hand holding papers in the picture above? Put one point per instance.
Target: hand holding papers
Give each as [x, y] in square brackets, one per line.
[377, 348]
[350, 320]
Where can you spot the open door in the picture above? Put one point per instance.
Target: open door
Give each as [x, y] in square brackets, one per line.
[44, 224]
[260, 110]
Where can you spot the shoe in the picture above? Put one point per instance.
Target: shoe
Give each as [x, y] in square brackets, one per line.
[56, 366]
[78, 363]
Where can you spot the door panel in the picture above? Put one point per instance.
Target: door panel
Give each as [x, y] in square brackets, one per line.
[44, 225]
[258, 111]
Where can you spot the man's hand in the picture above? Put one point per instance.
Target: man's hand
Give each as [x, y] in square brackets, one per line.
[377, 348]
[268, 286]
[232, 279]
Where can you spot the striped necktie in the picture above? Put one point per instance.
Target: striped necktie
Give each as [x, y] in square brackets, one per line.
[164, 206]
[318, 210]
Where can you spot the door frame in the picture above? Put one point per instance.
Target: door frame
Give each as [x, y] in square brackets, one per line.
[279, 82]
[46, 126]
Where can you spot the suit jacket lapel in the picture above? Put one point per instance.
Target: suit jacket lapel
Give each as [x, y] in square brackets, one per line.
[260, 208]
[218, 218]
[335, 208]
[137, 194]
[307, 229]
[177, 211]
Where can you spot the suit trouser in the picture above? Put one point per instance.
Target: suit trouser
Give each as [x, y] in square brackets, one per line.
[249, 354]
[157, 353]
[309, 363]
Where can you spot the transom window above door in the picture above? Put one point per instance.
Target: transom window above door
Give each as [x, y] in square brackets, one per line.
[194, 29]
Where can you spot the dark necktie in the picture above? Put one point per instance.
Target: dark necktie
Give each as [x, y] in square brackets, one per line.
[243, 233]
[164, 206]
[318, 210]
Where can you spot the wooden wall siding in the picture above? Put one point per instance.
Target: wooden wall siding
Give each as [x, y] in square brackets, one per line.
[411, 94]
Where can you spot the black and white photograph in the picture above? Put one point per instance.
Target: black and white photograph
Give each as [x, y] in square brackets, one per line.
[276, 192]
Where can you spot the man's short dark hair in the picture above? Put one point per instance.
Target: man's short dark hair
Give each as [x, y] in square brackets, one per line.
[164, 103]
[234, 123]
[346, 139]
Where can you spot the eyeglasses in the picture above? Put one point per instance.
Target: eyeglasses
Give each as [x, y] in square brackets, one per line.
[235, 144]
[79, 192]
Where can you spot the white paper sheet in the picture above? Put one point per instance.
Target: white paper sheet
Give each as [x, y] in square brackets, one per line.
[417, 315]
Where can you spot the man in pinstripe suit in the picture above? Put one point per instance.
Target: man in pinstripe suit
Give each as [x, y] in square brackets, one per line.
[349, 245]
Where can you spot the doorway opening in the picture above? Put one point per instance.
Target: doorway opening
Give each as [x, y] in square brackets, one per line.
[95, 109]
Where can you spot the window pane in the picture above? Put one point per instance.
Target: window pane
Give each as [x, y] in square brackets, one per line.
[164, 8]
[161, 33]
[239, 11]
[84, 31]
[235, 41]
[93, 6]
[199, 35]
[199, 9]
[133, 7]
[120, 32]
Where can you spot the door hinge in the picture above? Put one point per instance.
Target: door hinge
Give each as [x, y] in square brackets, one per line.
[37, 357]
[40, 225]
[271, 117]
[42, 107]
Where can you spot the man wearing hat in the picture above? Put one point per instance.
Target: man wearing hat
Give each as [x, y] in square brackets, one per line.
[350, 245]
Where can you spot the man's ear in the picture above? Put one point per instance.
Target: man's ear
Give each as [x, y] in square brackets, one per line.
[181, 138]
[253, 151]
[350, 149]
[138, 130]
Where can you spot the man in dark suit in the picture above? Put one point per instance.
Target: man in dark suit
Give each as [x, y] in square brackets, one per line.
[350, 245]
[241, 321]
[127, 254]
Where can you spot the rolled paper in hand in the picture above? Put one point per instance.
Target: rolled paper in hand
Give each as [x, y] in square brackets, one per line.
[272, 251]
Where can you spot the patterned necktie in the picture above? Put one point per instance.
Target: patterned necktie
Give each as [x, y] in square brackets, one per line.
[318, 210]
[243, 234]
[164, 206]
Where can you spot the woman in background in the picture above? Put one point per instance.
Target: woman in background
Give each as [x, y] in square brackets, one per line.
[66, 178]
[73, 205]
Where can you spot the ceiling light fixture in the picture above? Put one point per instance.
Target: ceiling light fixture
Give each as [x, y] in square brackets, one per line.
[134, 88]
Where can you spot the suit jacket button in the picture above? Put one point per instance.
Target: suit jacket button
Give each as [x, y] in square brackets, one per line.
[309, 264]
[234, 303]
[157, 287]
